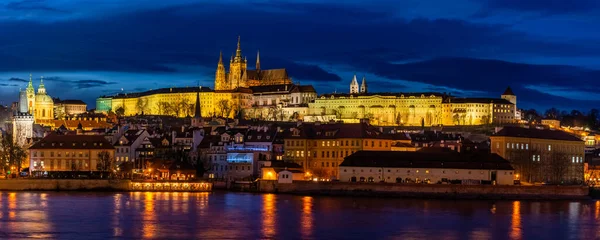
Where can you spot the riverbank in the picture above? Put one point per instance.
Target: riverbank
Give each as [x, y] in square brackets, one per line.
[99, 185]
[437, 191]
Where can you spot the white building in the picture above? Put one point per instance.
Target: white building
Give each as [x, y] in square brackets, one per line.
[426, 166]
[127, 144]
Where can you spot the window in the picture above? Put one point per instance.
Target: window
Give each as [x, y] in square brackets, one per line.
[51, 154]
[527, 146]
[549, 147]
[507, 145]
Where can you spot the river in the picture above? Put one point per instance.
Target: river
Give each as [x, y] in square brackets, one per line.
[223, 215]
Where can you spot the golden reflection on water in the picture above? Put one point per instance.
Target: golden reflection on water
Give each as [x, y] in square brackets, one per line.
[515, 227]
[117, 202]
[268, 215]
[307, 217]
[149, 216]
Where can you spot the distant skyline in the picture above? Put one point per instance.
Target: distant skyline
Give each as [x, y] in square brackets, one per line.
[546, 51]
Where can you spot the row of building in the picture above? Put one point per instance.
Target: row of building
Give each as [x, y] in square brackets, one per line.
[270, 94]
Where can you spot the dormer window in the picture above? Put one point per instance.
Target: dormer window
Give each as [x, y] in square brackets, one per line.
[53, 144]
[259, 137]
[42, 144]
[84, 144]
[249, 137]
[60, 144]
[268, 137]
[73, 144]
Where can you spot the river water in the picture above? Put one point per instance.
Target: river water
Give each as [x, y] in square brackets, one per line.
[222, 215]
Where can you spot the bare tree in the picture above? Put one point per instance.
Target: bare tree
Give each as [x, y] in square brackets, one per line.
[11, 153]
[141, 105]
[224, 108]
[557, 167]
[105, 162]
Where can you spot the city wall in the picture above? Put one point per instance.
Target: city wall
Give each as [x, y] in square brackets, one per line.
[427, 190]
[98, 185]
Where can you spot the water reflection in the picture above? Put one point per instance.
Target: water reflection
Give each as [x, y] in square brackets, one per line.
[268, 216]
[515, 226]
[307, 217]
[149, 216]
[155, 215]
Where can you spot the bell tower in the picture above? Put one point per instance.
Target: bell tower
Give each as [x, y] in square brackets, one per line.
[220, 75]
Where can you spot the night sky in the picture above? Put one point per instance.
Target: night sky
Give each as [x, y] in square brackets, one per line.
[548, 51]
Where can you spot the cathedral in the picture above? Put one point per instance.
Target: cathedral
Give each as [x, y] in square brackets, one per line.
[241, 77]
[40, 105]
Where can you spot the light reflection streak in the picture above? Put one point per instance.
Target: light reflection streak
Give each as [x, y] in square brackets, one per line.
[515, 227]
[307, 217]
[268, 216]
[117, 203]
[149, 216]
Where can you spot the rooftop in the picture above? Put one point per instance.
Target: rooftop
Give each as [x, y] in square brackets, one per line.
[426, 159]
[520, 132]
[55, 141]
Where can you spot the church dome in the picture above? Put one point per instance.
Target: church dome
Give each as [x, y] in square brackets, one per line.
[43, 99]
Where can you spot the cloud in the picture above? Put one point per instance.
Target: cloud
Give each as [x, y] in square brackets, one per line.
[546, 6]
[14, 79]
[8, 85]
[32, 5]
[91, 83]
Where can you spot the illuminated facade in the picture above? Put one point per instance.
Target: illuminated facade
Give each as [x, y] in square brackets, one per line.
[541, 155]
[241, 77]
[40, 105]
[320, 148]
[410, 109]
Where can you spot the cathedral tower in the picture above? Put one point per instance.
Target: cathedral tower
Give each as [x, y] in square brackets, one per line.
[354, 85]
[363, 85]
[258, 61]
[220, 75]
[237, 66]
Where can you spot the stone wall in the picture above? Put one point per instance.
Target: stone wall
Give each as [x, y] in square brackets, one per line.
[63, 185]
[428, 190]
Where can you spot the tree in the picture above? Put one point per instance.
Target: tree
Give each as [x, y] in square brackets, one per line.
[552, 113]
[120, 111]
[593, 118]
[531, 115]
[202, 166]
[104, 161]
[11, 154]
[141, 105]
[224, 108]
[557, 167]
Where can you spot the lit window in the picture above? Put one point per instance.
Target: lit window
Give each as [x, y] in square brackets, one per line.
[549, 147]
[527, 146]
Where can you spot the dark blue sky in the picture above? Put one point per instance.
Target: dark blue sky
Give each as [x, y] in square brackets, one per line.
[547, 51]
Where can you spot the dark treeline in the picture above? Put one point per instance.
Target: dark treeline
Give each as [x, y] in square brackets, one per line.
[574, 118]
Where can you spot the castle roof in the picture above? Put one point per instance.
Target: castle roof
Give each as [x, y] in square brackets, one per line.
[508, 91]
[479, 100]
[163, 90]
[267, 74]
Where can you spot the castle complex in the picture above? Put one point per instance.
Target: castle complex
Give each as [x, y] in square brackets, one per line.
[269, 94]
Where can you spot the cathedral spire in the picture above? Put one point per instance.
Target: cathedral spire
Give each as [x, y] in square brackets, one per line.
[363, 85]
[238, 52]
[197, 112]
[354, 85]
[42, 88]
[30, 85]
[221, 58]
[258, 60]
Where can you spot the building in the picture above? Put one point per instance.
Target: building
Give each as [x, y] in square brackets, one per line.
[426, 167]
[284, 102]
[320, 148]
[283, 172]
[62, 153]
[410, 109]
[127, 145]
[22, 128]
[239, 76]
[68, 107]
[552, 123]
[541, 155]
